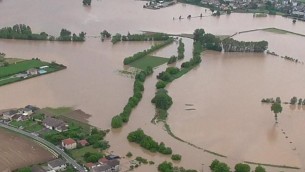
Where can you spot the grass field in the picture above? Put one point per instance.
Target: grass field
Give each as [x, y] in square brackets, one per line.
[146, 61]
[20, 67]
[78, 154]
[28, 125]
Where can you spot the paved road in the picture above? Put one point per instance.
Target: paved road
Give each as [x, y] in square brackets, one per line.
[48, 144]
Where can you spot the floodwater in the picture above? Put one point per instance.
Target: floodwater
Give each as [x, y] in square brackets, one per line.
[226, 89]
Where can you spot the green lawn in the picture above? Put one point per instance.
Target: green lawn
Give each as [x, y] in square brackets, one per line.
[78, 154]
[21, 67]
[8, 80]
[146, 61]
[28, 125]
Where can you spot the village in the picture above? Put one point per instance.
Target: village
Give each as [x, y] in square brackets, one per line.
[82, 142]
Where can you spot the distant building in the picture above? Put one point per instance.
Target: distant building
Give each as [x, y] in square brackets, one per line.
[108, 166]
[90, 165]
[32, 71]
[57, 165]
[25, 111]
[33, 108]
[69, 143]
[55, 124]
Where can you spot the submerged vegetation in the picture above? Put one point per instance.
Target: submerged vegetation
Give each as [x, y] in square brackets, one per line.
[144, 53]
[148, 142]
[231, 45]
[168, 167]
[140, 37]
[138, 88]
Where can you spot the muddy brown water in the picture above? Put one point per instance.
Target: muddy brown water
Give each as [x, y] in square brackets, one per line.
[225, 89]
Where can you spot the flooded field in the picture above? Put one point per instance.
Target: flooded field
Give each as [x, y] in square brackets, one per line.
[17, 152]
[225, 90]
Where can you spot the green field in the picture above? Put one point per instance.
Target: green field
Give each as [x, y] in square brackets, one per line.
[20, 67]
[78, 154]
[146, 61]
[28, 125]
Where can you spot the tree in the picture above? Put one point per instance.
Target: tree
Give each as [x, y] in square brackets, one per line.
[300, 101]
[278, 100]
[198, 35]
[260, 169]
[116, 122]
[176, 157]
[222, 167]
[293, 100]
[162, 100]
[276, 108]
[214, 164]
[165, 167]
[242, 167]
[87, 2]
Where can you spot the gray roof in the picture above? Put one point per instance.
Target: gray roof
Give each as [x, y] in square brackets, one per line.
[101, 168]
[56, 163]
[53, 122]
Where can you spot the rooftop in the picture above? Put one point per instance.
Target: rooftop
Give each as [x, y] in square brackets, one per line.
[56, 163]
[69, 141]
[53, 122]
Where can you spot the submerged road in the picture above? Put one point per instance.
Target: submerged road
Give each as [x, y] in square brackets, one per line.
[48, 144]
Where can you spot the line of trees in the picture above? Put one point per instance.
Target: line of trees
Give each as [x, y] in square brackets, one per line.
[138, 88]
[66, 35]
[217, 166]
[24, 32]
[168, 167]
[148, 142]
[140, 37]
[231, 45]
[21, 31]
[142, 54]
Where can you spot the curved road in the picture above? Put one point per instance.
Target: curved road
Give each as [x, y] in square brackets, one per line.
[48, 144]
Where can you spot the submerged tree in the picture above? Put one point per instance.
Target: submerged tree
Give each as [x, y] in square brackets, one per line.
[276, 108]
[87, 2]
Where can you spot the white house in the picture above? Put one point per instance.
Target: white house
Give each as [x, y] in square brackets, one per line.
[57, 165]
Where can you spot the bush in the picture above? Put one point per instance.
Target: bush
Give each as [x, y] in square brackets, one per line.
[172, 59]
[116, 122]
[242, 167]
[176, 157]
[160, 84]
[260, 169]
[92, 157]
[129, 154]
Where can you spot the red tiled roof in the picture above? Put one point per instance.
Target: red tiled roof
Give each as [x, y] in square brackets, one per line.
[83, 142]
[68, 141]
[89, 165]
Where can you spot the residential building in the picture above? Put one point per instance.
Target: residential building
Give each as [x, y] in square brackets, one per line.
[101, 168]
[32, 71]
[69, 143]
[114, 165]
[9, 114]
[55, 124]
[57, 165]
[25, 111]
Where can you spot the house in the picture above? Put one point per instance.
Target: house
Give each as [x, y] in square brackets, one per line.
[112, 157]
[33, 108]
[17, 117]
[114, 165]
[83, 142]
[32, 71]
[25, 111]
[101, 168]
[103, 161]
[55, 124]
[90, 165]
[57, 165]
[69, 143]
[9, 114]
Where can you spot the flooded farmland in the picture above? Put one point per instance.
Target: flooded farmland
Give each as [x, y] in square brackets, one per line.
[225, 90]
